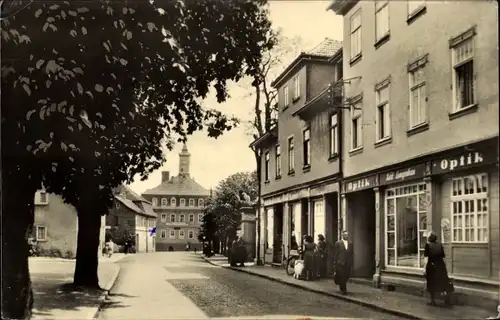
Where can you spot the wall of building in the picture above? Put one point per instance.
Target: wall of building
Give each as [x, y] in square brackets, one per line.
[319, 76]
[407, 43]
[60, 221]
[121, 220]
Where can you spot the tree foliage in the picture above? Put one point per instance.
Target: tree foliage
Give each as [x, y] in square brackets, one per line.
[223, 211]
[92, 89]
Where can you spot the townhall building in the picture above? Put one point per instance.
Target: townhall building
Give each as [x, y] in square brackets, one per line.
[179, 203]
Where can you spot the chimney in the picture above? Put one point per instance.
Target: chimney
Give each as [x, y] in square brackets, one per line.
[165, 176]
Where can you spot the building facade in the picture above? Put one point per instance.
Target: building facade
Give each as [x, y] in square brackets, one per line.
[55, 227]
[300, 155]
[179, 203]
[133, 217]
[421, 139]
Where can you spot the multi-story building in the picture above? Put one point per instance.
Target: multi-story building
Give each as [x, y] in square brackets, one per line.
[179, 203]
[300, 163]
[421, 139]
[132, 217]
[55, 227]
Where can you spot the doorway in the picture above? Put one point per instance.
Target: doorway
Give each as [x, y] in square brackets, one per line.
[136, 242]
[361, 227]
[278, 234]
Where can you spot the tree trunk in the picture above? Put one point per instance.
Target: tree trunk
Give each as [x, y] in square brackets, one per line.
[17, 222]
[89, 224]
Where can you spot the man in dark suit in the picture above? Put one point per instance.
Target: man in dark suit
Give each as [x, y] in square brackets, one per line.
[343, 258]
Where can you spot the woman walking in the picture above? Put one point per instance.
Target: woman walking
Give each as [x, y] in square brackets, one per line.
[321, 256]
[435, 270]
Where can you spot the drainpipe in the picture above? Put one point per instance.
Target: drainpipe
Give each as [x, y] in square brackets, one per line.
[340, 113]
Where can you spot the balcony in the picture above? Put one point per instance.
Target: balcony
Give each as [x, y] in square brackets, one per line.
[329, 98]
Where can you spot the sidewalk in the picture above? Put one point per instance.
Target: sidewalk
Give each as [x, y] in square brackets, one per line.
[396, 303]
[55, 299]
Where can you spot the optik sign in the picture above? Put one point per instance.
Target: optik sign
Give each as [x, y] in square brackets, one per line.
[459, 162]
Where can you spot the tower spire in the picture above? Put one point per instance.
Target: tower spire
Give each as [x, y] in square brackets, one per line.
[184, 161]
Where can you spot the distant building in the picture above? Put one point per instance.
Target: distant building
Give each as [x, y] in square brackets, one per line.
[179, 202]
[132, 216]
[56, 226]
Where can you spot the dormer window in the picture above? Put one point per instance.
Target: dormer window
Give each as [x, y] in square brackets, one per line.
[296, 88]
[286, 97]
[183, 202]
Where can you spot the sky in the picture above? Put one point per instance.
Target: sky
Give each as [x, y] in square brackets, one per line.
[212, 160]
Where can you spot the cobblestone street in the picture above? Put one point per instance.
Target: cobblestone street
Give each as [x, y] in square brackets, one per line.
[175, 285]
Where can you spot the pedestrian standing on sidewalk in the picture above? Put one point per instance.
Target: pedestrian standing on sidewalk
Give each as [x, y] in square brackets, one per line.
[436, 274]
[321, 256]
[309, 258]
[343, 258]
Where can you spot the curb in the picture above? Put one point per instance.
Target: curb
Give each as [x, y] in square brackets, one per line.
[105, 294]
[363, 303]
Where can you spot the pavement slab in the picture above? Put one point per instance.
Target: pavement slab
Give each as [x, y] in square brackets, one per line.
[54, 296]
[396, 303]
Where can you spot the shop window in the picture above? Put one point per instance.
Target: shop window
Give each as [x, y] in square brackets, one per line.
[469, 209]
[405, 226]
[270, 229]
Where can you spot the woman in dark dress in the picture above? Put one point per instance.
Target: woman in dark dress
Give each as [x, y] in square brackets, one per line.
[435, 270]
[309, 257]
[321, 256]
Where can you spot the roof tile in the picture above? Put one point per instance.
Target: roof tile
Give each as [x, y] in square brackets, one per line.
[179, 185]
[327, 48]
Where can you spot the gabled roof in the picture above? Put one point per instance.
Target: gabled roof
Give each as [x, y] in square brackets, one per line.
[327, 48]
[321, 54]
[129, 204]
[129, 194]
[181, 185]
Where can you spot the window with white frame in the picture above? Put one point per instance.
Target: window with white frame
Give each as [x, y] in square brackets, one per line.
[181, 234]
[44, 199]
[356, 126]
[334, 135]
[200, 203]
[172, 217]
[414, 5]
[163, 233]
[191, 218]
[266, 167]
[269, 228]
[164, 202]
[181, 218]
[418, 98]
[41, 233]
[172, 234]
[381, 19]
[470, 209]
[182, 202]
[191, 234]
[319, 219]
[163, 217]
[406, 225]
[306, 135]
[278, 161]
[191, 202]
[296, 87]
[383, 113]
[356, 34]
[286, 97]
[155, 202]
[291, 155]
[200, 217]
[173, 202]
[463, 74]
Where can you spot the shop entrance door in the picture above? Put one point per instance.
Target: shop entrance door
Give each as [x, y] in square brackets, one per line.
[278, 235]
